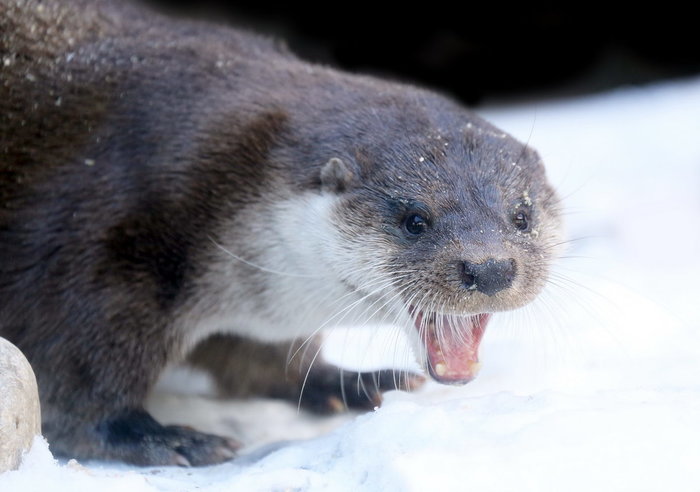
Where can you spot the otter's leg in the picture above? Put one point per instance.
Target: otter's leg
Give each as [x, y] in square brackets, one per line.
[242, 368]
[92, 384]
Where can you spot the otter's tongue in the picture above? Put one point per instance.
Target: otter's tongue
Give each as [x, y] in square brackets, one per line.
[452, 345]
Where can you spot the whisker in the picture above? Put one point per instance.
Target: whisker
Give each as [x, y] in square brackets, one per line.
[346, 310]
[259, 267]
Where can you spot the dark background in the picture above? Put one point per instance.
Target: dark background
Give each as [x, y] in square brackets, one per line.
[500, 52]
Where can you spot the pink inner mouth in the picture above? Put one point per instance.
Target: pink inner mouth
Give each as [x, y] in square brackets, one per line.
[452, 345]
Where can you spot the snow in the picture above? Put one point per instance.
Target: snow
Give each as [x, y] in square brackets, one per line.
[595, 386]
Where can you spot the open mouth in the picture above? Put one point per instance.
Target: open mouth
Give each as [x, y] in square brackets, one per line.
[452, 344]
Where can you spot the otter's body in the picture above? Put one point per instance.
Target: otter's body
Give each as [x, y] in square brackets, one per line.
[162, 181]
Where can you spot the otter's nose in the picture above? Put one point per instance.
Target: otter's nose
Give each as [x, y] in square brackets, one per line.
[489, 277]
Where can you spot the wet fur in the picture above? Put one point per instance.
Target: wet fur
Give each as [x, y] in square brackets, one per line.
[142, 157]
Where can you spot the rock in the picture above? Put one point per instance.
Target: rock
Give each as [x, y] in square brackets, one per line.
[20, 417]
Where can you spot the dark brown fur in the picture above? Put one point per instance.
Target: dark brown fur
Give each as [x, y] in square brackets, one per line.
[131, 145]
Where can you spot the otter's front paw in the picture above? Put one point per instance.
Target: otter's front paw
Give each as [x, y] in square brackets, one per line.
[329, 389]
[136, 437]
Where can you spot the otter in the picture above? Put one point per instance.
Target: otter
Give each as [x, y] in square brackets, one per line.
[173, 188]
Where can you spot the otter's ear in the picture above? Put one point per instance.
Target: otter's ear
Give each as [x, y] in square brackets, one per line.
[337, 176]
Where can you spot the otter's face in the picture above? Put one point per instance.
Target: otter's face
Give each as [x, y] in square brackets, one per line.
[456, 226]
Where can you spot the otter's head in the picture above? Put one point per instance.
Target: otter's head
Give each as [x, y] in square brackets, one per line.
[441, 225]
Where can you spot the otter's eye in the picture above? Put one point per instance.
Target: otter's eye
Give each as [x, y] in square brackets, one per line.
[415, 224]
[521, 220]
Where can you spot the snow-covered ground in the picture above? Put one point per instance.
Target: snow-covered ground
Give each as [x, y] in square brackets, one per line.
[596, 386]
